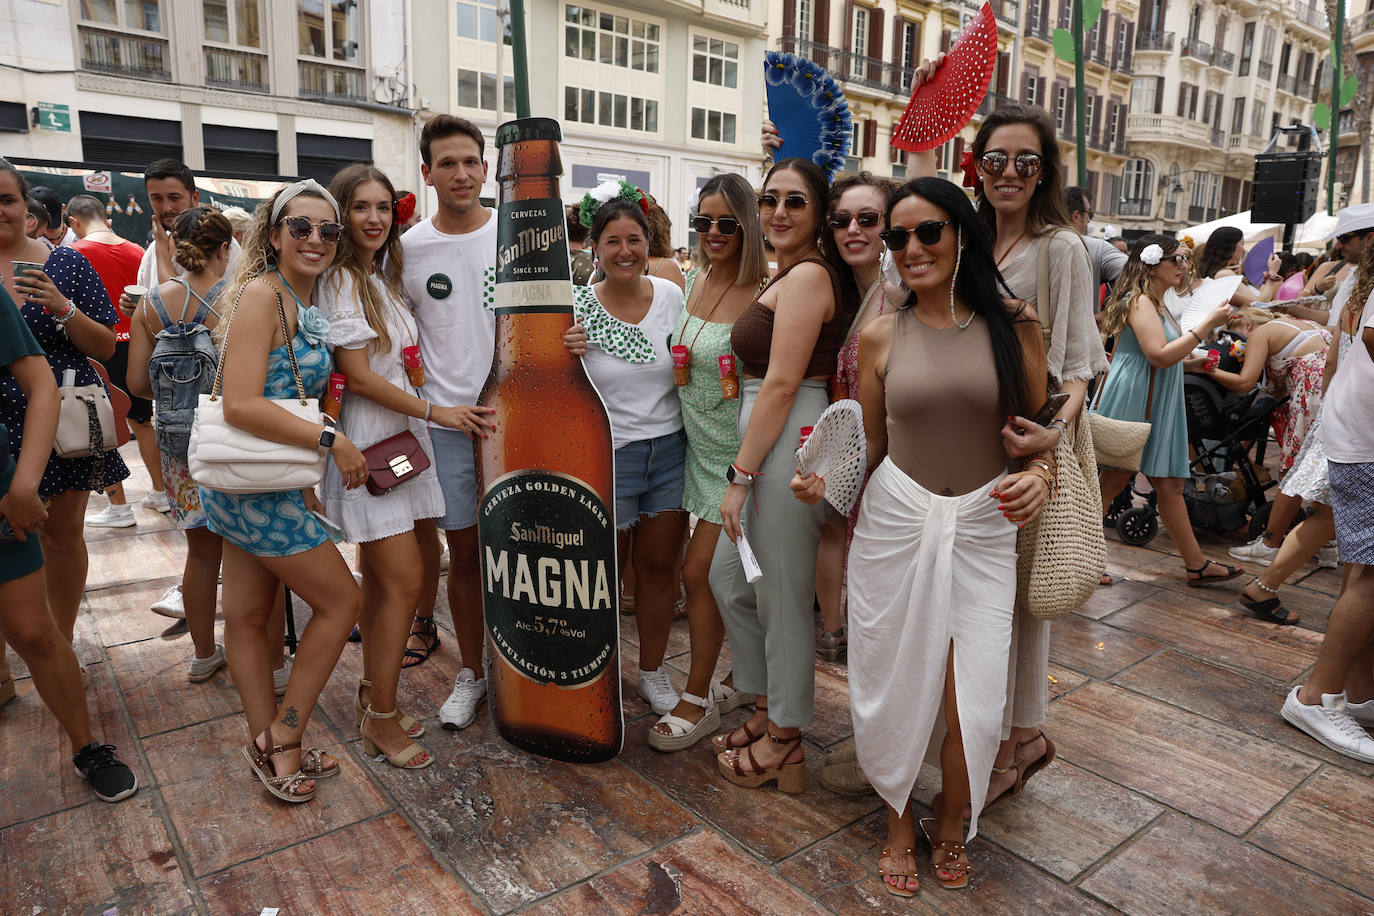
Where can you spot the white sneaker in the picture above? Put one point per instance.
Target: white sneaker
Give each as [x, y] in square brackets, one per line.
[113, 516]
[657, 687]
[1328, 557]
[1255, 552]
[202, 669]
[1331, 723]
[1362, 713]
[170, 604]
[460, 708]
[282, 676]
[157, 501]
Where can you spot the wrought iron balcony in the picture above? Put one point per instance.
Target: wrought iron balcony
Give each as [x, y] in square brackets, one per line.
[124, 54]
[327, 81]
[1218, 138]
[1155, 41]
[852, 68]
[1223, 59]
[1198, 50]
[1134, 207]
[244, 71]
[1287, 83]
[1311, 15]
[1265, 70]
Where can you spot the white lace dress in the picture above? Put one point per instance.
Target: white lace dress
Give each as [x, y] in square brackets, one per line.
[1308, 479]
[362, 516]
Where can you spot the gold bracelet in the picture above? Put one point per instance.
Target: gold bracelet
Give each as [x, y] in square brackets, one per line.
[429, 410]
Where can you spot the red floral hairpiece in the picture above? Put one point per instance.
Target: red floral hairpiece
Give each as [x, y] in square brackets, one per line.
[644, 201]
[405, 207]
[971, 179]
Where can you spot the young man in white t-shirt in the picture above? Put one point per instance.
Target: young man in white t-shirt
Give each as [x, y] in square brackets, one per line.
[171, 192]
[449, 279]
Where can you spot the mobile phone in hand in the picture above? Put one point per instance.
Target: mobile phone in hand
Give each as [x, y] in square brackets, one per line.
[1052, 406]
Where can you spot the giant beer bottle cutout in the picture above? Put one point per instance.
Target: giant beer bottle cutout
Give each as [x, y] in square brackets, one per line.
[547, 481]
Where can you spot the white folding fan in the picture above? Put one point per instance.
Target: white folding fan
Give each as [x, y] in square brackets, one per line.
[837, 452]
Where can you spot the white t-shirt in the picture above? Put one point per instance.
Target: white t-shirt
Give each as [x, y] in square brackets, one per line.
[1342, 296]
[450, 282]
[1348, 409]
[630, 364]
[147, 268]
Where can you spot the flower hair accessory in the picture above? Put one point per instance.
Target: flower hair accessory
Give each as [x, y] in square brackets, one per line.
[971, 179]
[1151, 254]
[405, 207]
[606, 192]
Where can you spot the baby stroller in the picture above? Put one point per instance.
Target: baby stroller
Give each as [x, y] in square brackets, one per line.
[1226, 490]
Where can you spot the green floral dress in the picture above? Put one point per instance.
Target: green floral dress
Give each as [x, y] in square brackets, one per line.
[711, 421]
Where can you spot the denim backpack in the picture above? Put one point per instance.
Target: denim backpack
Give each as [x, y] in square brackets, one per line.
[182, 367]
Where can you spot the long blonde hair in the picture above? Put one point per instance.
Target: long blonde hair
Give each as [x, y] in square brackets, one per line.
[1133, 283]
[386, 262]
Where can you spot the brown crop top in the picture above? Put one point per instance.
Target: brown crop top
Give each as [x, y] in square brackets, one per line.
[752, 336]
[944, 419]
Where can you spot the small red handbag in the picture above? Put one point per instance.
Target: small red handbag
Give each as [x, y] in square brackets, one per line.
[393, 461]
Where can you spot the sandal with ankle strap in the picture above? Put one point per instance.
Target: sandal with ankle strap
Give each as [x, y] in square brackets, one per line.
[1201, 580]
[790, 777]
[726, 742]
[890, 870]
[283, 787]
[413, 729]
[429, 639]
[944, 856]
[1039, 763]
[1270, 609]
[683, 733]
[405, 760]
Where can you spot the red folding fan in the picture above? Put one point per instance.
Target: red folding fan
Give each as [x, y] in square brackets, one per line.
[941, 107]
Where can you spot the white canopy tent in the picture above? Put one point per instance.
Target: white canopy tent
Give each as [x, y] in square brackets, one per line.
[1312, 234]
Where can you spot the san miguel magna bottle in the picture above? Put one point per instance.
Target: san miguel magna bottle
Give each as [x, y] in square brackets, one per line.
[546, 475]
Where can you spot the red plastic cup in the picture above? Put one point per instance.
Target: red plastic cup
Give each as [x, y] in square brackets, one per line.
[729, 379]
[415, 365]
[333, 395]
[682, 364]
[1213, 360]
[806, 432]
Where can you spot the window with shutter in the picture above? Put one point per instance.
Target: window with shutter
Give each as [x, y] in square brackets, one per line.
[870, 138]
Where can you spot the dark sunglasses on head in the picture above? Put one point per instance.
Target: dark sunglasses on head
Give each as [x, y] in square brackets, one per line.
[299, 228]
[791, 202]
[725, 225]
[927, 233]
[866, 219]
[993, 164]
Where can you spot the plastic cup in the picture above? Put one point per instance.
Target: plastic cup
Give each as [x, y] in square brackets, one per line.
[729, 379]
[414, 363]
[1213, 360]
[333, 394]
[135, 293]
[682, 365]
[806, 432]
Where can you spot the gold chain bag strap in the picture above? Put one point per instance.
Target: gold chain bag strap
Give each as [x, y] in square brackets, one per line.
[225, 458]
[1061, 553]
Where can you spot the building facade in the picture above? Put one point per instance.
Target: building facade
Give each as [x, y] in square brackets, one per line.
[236, 88]
[1352, 169]
[661, 93]
[1212, 85]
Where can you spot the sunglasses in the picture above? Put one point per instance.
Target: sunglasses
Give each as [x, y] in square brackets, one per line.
[790, 202]
[866, 219]
[927, 233]
[299, 228]
[1027, 164]
[725, 225]
[1179, 259]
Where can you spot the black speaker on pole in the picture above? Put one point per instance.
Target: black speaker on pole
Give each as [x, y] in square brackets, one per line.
[1285, 189]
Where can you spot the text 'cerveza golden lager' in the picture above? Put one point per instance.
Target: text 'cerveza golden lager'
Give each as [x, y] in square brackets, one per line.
[547, 481]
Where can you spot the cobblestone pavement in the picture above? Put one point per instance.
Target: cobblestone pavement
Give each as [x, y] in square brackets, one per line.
[1178, 788]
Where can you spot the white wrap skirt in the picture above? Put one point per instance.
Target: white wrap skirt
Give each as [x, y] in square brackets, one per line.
[926, 571]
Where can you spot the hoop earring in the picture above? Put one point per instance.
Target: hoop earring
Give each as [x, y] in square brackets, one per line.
[958, 259]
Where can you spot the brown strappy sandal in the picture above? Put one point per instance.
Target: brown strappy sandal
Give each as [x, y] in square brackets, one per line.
[725, 742]
[890, 870]
[790, 777]
[1039, 763]
[944, 857]
[283, 787]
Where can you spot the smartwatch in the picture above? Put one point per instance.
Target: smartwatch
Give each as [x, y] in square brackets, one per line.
[735, 475]
[327, 438]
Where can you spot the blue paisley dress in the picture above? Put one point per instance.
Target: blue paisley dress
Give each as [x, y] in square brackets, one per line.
[277, 524]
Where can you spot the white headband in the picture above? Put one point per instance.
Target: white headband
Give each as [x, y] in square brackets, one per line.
[291, 191]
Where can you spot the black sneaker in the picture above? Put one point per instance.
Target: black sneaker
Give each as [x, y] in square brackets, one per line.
[107, 774]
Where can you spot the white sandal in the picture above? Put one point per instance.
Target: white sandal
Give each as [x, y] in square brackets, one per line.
[729, 699]
[686, 733]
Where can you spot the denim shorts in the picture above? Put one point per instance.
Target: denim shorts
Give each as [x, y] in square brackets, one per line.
[457, 469]
[648, 477]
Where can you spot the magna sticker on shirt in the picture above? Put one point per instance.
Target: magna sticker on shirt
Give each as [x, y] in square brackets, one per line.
[439, 286]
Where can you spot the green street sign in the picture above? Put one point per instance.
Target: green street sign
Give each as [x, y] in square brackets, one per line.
[52, 116]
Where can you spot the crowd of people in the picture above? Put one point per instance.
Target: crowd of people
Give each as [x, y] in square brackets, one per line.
[951, 318]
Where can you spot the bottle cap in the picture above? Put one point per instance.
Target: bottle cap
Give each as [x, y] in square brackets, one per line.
[527, 129]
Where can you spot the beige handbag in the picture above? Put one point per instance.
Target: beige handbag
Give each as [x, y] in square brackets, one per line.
[85, 422]
[1061, 553]
[228, 459]
[1120, 443]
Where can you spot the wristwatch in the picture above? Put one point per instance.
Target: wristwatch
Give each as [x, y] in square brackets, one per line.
[735, 475]
[327, 438]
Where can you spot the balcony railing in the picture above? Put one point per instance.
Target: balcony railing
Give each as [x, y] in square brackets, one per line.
[848, 67]
[1223, 59]
[1121, 59]
[1363, 24]
[1311, 15]
[1198, 50]
[123, 54]
[1043, 30]
[326, 81]
[1218, 137]
[244, 71]
[1265, 70]
[1287, 83]
[1154, 41]
[1134, 207]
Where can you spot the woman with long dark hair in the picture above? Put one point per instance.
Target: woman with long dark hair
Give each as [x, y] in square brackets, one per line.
[787, 341]
[1146, 381]
[1223, 255]
[933, 561]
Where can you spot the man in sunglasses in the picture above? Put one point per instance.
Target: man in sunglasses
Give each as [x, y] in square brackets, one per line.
[1106, 259]
[1354, 226]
